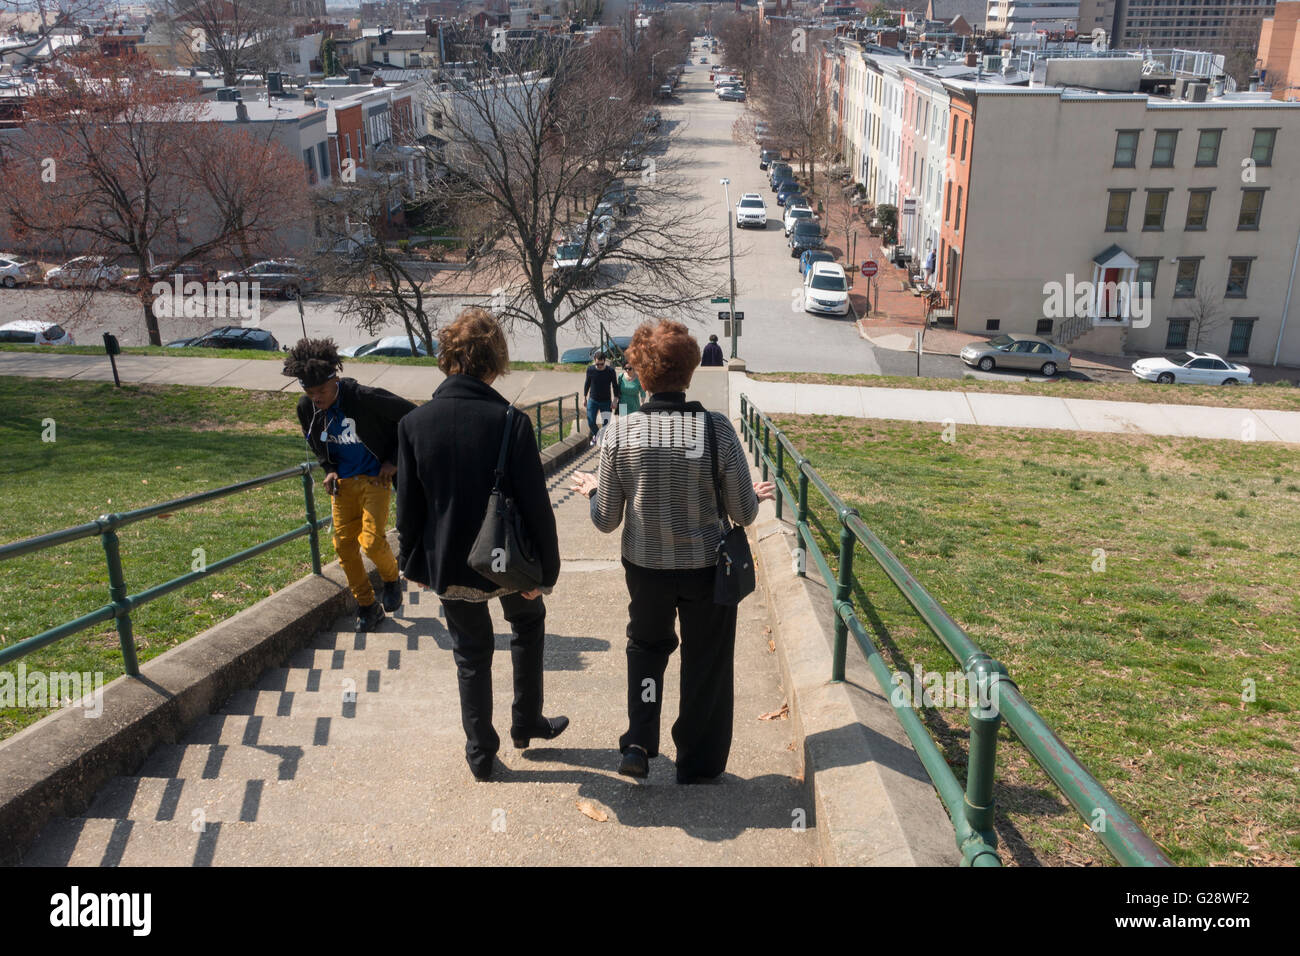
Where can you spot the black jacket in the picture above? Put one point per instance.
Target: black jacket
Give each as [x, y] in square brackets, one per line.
[376, 412]
[447, 452]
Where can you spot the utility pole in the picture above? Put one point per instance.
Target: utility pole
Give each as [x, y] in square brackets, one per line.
[731, 262]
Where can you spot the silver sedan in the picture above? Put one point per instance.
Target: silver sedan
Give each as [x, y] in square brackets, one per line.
[1018, 351]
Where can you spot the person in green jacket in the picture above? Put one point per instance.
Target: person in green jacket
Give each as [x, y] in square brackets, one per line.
[630, 392]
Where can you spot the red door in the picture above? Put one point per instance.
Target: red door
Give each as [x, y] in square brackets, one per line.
[1110, 294]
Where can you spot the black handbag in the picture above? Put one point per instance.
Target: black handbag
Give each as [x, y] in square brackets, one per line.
[733, 580]
[503, 552]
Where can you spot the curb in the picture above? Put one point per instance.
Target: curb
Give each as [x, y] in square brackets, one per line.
[874, 802]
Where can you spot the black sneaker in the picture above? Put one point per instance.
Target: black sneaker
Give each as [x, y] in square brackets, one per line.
[392, 595]
[634, 763]
[368, 617]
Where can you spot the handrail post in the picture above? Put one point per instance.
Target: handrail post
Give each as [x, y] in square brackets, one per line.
[780, 474]
[309, 499]
[802, 515]
[767, 451]
[982, 679]
[539, 424]
[118, 593]
[843, 590]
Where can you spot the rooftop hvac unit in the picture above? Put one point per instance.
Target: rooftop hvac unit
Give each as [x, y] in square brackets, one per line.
[1196, 92]
[354, 76]
[274, 83]
[226, 94]
[992, 63]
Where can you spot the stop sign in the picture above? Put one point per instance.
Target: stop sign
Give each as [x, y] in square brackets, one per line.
[869, 268]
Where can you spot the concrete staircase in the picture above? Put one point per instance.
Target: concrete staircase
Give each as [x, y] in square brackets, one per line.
[352, 753]
[1081, 335]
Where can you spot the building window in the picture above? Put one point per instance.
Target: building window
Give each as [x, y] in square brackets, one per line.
[1239, 340]
[1146, 275]
[1117, 210]
[1163, 153]
[1126, 147]
[1261, 150]
[323, 153]
[956, 216]
[309, 160]
[1252, 202]
[992, 325]
[1177, 335]
[965, 124]
[1185, 284]
[1207, 148]
[1044, 327]
[1153, 220]
[1238, 278]
[1198, 208]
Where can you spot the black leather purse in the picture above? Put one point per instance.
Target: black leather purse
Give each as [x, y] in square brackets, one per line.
[503, 552]
[734, 579]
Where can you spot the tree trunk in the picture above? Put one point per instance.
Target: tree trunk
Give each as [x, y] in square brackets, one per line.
[550, 348]
[150, 319]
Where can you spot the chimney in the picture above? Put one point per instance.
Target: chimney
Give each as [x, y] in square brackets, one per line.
[241, 112]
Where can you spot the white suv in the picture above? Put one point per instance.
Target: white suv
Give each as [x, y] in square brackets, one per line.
[794, 213]
[826, 289]
[751, 211]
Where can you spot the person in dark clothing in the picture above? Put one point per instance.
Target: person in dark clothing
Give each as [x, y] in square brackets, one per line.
[662, 492]
[352, 429]
[599, 390]
[713, 353]
[447, 454]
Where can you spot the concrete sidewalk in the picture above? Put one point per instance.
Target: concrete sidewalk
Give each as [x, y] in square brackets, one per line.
[291, 772]
[1017, 411]
[718, 390]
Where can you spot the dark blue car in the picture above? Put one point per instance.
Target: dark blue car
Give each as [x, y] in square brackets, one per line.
[789, 192]
[812, 256]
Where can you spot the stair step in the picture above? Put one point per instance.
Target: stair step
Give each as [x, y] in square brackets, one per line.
[260, 731]
[330, 682]
[386, 658]
[321, 704]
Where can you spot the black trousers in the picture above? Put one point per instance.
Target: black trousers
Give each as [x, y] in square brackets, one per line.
[702, 732]
[470, 624]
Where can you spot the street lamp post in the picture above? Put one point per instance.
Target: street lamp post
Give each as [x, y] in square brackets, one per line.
[731, 263]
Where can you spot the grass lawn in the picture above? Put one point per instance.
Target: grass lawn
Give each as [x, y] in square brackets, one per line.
[264, 355]
[1281, 397]
[1141, 662]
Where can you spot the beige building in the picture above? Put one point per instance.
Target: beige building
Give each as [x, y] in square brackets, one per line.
[1193, 201]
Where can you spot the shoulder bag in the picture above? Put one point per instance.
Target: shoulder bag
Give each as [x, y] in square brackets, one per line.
[734, 578]
[502, 552]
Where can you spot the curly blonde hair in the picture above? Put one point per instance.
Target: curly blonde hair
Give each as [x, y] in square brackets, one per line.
[664, 354]
[473, 344]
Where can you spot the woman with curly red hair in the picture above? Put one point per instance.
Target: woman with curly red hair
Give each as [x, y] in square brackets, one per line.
[656, 479]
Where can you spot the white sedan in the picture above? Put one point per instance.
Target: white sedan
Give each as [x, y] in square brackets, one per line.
[15, 271]
[1201, 368]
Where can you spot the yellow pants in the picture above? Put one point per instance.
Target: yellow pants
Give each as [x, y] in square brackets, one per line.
[360, 516]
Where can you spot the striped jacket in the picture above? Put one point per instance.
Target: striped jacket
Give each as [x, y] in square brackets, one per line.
[655, 479]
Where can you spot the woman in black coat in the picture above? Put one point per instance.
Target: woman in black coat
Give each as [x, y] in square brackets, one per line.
[447, 453]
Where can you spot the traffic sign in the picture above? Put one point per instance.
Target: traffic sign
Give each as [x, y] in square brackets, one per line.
[720, 300]
[869, 268]
[726, 316]
[726, 327]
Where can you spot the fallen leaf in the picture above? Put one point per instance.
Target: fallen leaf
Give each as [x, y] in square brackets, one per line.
[771, 645]
[781, 714]
[593, 811]
[144, 481]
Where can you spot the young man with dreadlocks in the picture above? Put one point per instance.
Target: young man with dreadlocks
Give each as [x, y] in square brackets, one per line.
[352, 429]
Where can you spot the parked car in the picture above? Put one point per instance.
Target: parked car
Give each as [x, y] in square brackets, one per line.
[167, 272]
[652, 119]
[631, 160]
[1017, 350]
[665, 90]
[392, 345]
[797, 213]
[620, 197]
[805, 235]
[812, 257]
[1201, 368]
[15, 271]
[84, 271]
[760, 128]
[569, 258]
[767, 157]
[779, 171]
[732, 94]
[605, 210]
[704, 59]
[585, 354]
[231, 337]
[751, 211]
[283, 277]
[790, 192]
[826, 289]
[35, 332]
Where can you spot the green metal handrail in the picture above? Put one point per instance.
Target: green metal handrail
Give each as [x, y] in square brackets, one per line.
[607, 345]
[540, 424]
[971, 810]
[121, 603]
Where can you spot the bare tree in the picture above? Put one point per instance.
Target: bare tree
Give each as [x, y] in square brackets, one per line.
[1205, 309]
[792, 100]
[530, 155]
[230, 37]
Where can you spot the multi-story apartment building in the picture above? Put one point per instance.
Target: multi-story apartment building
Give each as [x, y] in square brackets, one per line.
[1279, 52]
[1024, 16]
[1219, 25]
